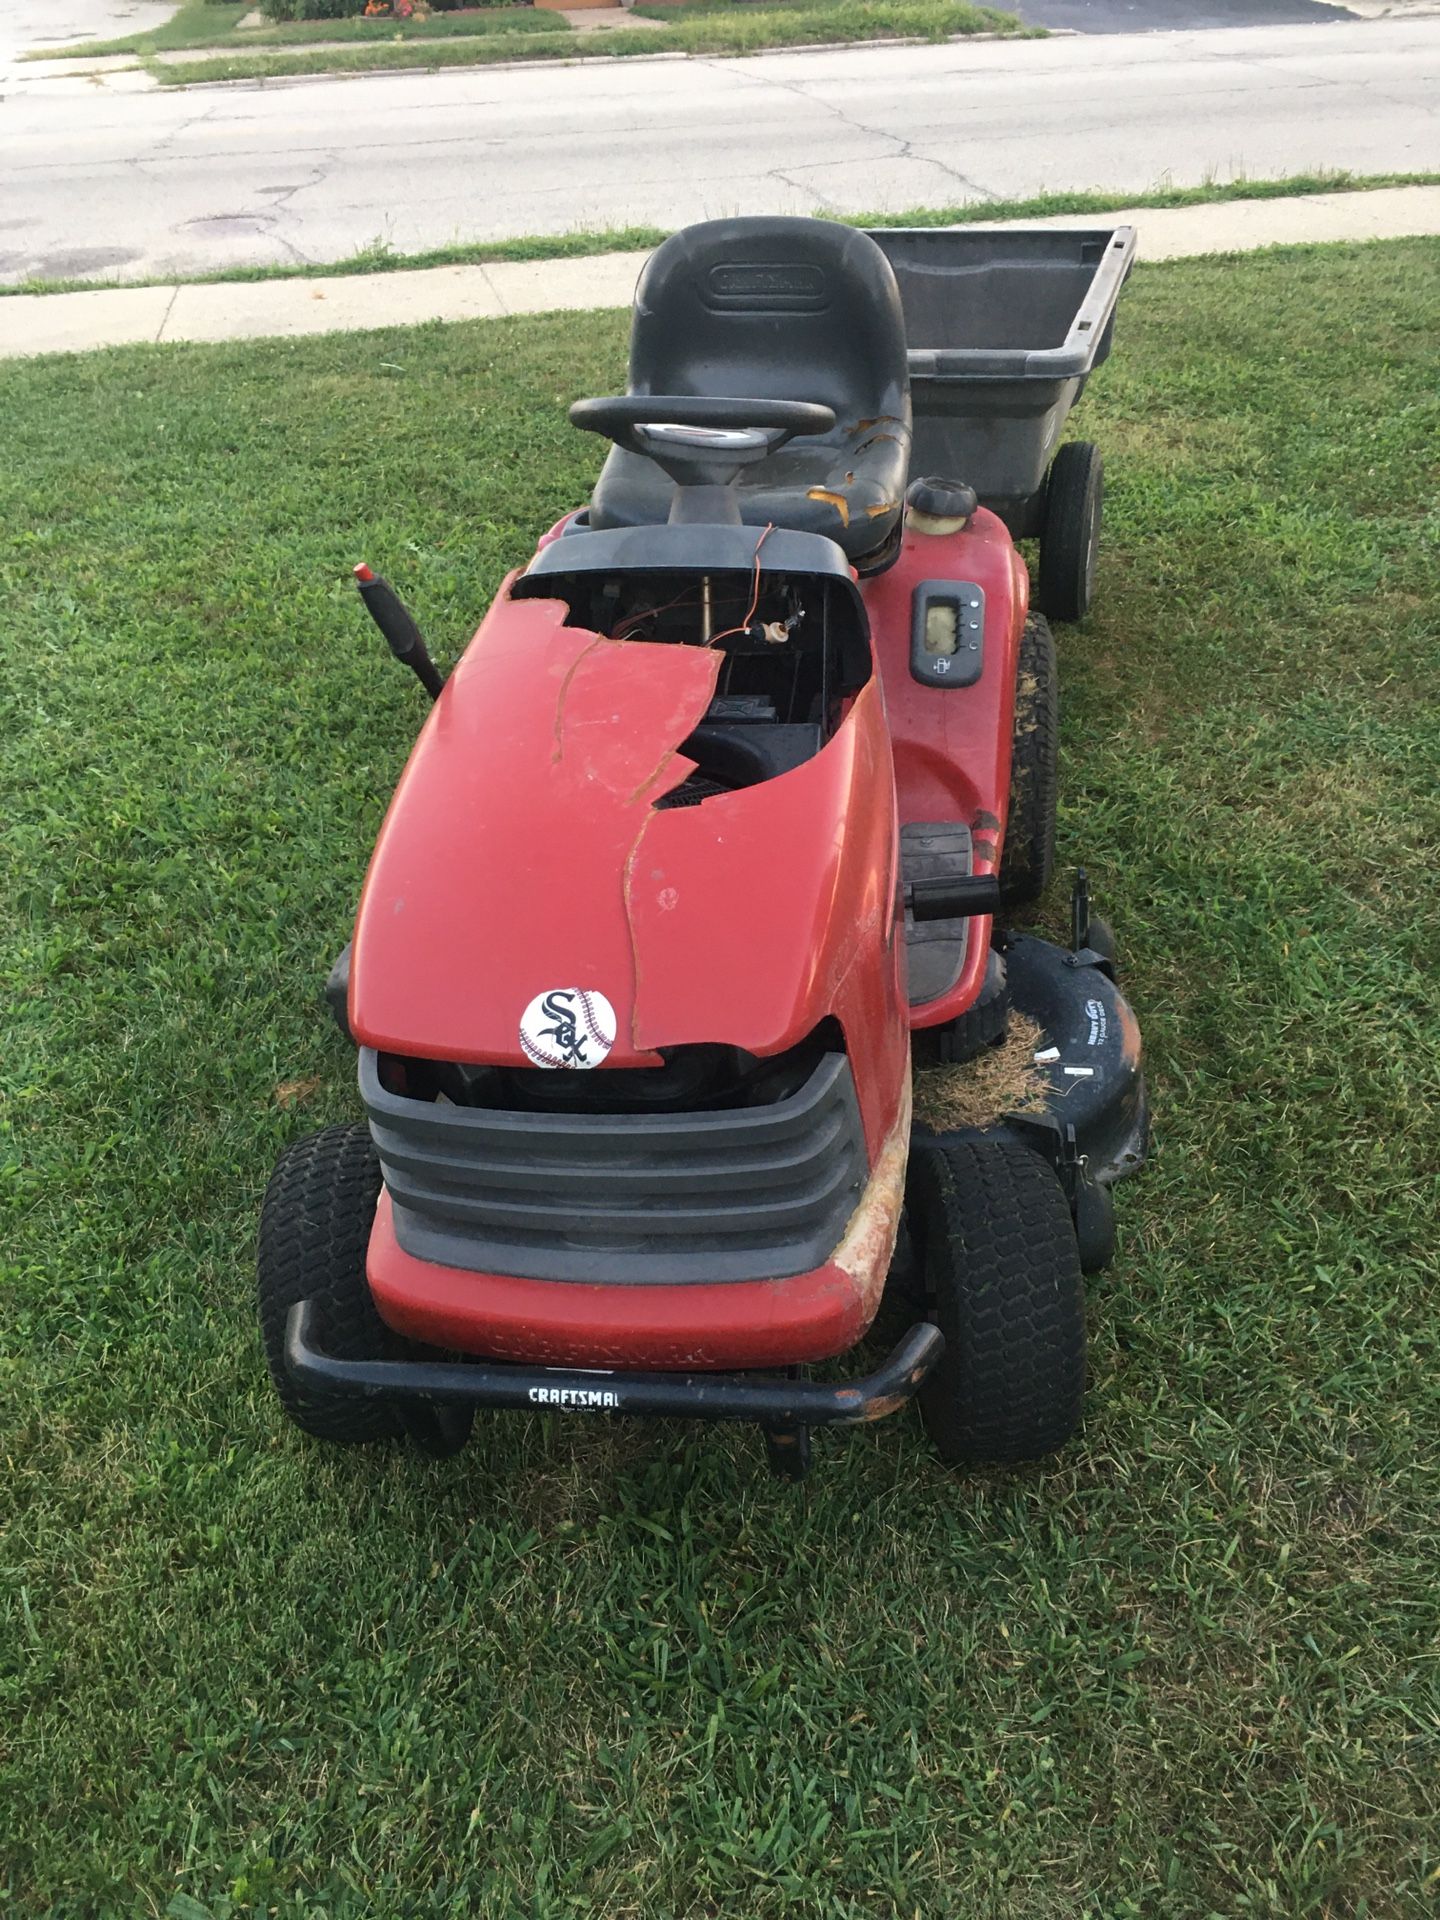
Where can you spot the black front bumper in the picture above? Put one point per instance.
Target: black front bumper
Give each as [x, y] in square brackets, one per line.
[768, 1400]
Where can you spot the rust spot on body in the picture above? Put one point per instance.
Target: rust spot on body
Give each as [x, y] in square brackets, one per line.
[652, 778]
[882, 1408]
[869, 1237]
[627, 876]
[1130, 1048]
[561, 697]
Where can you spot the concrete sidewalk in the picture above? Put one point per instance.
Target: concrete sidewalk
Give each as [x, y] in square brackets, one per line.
[240, 310]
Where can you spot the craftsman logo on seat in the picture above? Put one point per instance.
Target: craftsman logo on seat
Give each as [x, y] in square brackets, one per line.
[567, 1027]
[771, 285]
[576, 1399]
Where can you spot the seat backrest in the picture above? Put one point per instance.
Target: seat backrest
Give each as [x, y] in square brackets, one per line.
[774, 309]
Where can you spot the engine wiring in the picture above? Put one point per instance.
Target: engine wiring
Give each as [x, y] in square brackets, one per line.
[634, 624]
[627, 628]
[744, 626]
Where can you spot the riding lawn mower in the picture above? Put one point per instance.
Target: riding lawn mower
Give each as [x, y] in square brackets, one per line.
[728, 818]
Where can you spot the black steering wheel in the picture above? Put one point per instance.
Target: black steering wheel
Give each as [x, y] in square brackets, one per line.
[700, 440]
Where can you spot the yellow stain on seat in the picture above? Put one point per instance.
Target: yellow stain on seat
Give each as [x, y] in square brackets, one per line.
[836, 500]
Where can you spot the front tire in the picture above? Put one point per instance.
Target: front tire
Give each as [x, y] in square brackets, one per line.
[1000, 1269]
[315, 1225]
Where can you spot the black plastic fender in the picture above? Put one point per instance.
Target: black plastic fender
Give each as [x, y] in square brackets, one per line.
[1094, 1127]
[1096, 1081]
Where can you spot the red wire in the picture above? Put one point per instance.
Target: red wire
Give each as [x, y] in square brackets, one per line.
[633, 620]
[755, 596]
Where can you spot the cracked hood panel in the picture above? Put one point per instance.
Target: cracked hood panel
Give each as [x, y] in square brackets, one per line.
[523, 852]
[500, 870]
[754, 912]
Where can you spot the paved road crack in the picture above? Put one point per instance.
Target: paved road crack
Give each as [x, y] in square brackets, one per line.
[904, 149]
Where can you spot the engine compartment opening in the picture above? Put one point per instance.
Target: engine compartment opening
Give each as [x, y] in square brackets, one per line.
[691, 1079]
[741, 742]
[794, 650]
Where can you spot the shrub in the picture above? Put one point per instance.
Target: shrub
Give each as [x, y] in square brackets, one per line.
[350, 9]
[310, 9]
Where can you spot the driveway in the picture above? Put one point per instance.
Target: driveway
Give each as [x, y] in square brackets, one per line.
[1185, 16]
[59, 23]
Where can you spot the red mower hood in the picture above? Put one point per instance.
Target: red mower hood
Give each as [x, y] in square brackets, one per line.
[523, 853]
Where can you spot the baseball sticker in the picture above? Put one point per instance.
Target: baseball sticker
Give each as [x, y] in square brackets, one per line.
[567, 1027]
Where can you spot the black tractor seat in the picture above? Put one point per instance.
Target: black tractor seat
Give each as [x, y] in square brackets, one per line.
[779, 309]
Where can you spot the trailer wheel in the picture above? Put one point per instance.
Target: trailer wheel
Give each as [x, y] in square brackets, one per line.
[1070, 537]
[1028, 858]
[1001, 1272]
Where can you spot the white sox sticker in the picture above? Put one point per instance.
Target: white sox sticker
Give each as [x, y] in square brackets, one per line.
[567, 1027]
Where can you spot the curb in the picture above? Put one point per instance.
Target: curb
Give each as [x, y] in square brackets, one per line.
[593, 60]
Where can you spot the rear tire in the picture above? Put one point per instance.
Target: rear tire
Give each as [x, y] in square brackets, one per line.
[1028, 858]
[315, 1225]
[982, 1025]
[1070, 539]
[1001, 1273]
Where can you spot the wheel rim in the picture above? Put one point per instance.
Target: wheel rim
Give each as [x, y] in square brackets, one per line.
[1092, 542]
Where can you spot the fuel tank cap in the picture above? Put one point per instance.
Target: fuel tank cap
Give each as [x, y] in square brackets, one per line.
[938, 505]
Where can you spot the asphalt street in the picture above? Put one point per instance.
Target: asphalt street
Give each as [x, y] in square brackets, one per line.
[112, 183]
[1173, 16]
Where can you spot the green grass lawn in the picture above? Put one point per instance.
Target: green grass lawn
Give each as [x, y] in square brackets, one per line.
[715, 25]
[194, 23]
[501, 34]
[375, 53]
[1187, 1670]
[439, 26]
[203, 23]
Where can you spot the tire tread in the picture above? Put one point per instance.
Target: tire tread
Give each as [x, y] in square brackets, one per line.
[1027, 859]
[315, 1225]
[1002, 1274]
[1077, 476]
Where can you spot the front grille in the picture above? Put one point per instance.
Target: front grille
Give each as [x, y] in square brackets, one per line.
[740, 1194]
